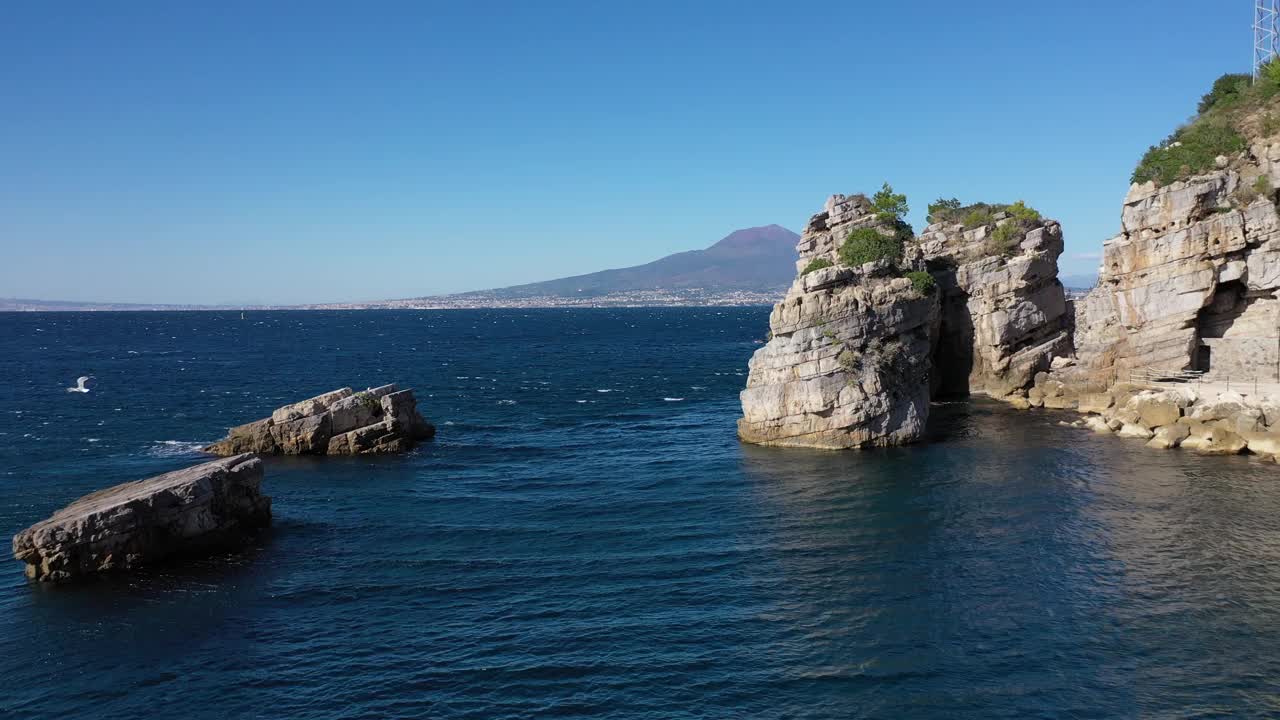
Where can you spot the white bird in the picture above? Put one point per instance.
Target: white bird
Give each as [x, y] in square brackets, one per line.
[82, 384]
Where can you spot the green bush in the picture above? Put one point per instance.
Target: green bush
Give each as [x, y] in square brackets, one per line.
[1023, 214]
[942, 210]
[1227, 90]
[1190, 151]
[1268, 82]
[890, 207]
[1005, 239]
[977, 215]
[816, 264]
[922, 281]
[866, 245]
[1262, 185]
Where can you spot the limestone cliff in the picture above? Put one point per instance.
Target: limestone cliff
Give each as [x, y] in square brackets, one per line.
[1004, 312]
[1189, 284]
[847, 362]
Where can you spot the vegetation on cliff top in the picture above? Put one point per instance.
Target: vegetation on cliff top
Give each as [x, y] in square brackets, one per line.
[816, 264]
[978, 214]
[1233, 110]
[1018, 219]
[885, 242]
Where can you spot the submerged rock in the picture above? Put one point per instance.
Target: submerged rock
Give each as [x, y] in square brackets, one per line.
[196, 509]
[342, 422]
[847, 362]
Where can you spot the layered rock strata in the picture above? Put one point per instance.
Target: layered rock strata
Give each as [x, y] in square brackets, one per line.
[1004, 312]
[1188, 285]
[343, 422]
[847, 362]
[197, 509]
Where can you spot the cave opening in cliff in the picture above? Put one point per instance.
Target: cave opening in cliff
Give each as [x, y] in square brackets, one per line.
[1236, 333]
[953, 353]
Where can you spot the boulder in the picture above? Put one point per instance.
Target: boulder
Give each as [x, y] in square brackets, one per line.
[1097, 424]
[1155, 409]
[1169, 436]
[1262, 443]
[1095, 402]
[1213, 440]
[194, 510]
[342, 422]
[1133, 430]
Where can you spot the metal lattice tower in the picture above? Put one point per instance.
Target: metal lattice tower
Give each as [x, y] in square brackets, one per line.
[1266, 32]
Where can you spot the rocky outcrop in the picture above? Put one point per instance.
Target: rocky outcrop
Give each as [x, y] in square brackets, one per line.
[847, 362]
[378, 420]
[1188, 285]
[1213, 423]
[1004, 312]
[209, 506]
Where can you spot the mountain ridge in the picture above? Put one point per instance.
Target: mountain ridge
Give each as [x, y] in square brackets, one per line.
[756, 259]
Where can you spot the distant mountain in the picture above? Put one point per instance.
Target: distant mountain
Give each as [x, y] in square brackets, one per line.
[759, 259]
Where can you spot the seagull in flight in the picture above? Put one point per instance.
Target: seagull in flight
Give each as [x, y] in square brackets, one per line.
[82, 384]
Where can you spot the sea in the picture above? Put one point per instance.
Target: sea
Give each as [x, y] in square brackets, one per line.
[586, 538]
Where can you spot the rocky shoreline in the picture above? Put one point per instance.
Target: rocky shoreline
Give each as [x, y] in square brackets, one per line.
[1186, 306]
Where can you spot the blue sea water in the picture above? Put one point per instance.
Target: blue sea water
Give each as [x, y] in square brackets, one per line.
[587, 539]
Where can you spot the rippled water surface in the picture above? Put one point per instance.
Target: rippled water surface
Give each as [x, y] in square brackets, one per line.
[586, 538]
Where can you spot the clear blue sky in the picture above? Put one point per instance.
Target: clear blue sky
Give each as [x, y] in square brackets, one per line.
[245, 152]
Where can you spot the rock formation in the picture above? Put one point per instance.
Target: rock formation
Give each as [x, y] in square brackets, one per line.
[1004, 312]
[196, 509]
[1179, 343]
[379, 420]
[1189, 284]
[847, 363]
[1215, 423]
[857, 351]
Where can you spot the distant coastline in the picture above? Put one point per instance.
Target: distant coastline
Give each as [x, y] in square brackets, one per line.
[470, 301]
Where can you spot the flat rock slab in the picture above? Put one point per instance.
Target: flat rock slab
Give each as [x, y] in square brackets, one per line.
[197, 509]
[341, 422]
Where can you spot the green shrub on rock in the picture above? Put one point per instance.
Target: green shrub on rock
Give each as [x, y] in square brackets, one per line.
[1189, 151]
[1023, 214]
[890, 207]
[1005, 239]
[866, 245]
[1227, 90]
[922, 281]
[816, 264]
[942, 209]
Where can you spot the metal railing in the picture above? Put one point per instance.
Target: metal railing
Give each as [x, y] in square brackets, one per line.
[1154, 376]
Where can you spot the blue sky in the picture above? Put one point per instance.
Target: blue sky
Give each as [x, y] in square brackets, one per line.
[231, 152]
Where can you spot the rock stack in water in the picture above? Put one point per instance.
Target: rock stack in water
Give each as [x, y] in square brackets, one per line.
[1004, 312]
[847, 363]
[210, 506]
[858, 349]
[343, 422]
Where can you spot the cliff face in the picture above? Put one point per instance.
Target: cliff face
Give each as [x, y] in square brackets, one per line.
[1189, 283]
[847, 363]
[1004, 312]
